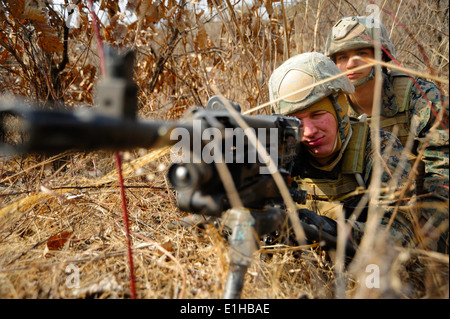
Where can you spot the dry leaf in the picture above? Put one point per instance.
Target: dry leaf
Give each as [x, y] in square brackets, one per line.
[4, 57]
[202, 38]
[33, 10]
[132, 5]
[48, 39]
[58, 241]
[15, 7]
[168, 246]
[269, 7]
[111, 6]
[149, 11]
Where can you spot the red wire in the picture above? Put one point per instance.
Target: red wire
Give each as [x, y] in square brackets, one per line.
[127, 226]
[118, 160]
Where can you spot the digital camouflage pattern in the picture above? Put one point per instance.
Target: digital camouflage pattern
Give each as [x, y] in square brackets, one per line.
[412, 111]
[310, 68]
[418, 119]
[391, 151]
[351, 33]
[422, 117]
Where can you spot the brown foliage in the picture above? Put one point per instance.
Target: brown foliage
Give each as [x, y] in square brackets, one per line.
[186, 52]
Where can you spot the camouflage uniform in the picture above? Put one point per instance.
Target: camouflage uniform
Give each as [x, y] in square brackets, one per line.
[406, 111]
[341, 184]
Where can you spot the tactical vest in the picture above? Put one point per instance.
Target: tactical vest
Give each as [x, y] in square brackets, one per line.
[325, 196]
[402, 85]
[400, 123]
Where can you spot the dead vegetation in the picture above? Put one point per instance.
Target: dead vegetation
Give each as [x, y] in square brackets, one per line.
[62, 230]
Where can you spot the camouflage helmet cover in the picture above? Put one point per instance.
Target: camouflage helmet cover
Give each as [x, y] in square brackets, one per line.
[351, 33]
[292, 85]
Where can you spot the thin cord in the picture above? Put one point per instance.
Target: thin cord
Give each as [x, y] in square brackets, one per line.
[118, 160]
[127, 226]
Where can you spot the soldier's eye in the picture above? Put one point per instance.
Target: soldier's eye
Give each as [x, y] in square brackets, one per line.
[318, 114]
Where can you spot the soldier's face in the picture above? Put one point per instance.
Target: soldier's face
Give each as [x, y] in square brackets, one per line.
[346, 62]
[319, 132]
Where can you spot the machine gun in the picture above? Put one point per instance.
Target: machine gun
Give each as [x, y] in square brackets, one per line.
[205, 144]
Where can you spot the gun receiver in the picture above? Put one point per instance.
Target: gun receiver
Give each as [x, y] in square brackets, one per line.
[198, 183]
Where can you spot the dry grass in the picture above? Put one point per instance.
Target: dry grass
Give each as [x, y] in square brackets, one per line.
[76, 195]
[170, 261]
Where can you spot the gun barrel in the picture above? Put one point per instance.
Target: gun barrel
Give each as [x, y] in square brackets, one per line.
[56, 131]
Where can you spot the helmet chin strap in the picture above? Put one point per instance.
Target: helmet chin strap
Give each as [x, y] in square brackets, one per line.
[361, 82]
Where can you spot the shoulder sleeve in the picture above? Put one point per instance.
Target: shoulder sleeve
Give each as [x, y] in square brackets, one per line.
[429, 110]
[427, 101]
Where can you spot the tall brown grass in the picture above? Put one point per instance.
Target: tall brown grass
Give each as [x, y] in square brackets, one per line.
[184, 54]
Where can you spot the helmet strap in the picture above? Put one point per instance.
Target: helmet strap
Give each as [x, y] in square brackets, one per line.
[361, 82]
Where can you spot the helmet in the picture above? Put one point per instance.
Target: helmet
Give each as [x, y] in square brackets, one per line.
[301, 83]
[293, 82]
[352, 33]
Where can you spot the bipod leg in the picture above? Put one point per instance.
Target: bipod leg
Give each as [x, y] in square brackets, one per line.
[243, 243]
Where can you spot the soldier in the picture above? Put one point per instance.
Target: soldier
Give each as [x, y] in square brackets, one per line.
[409, 106]
[336, 159]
